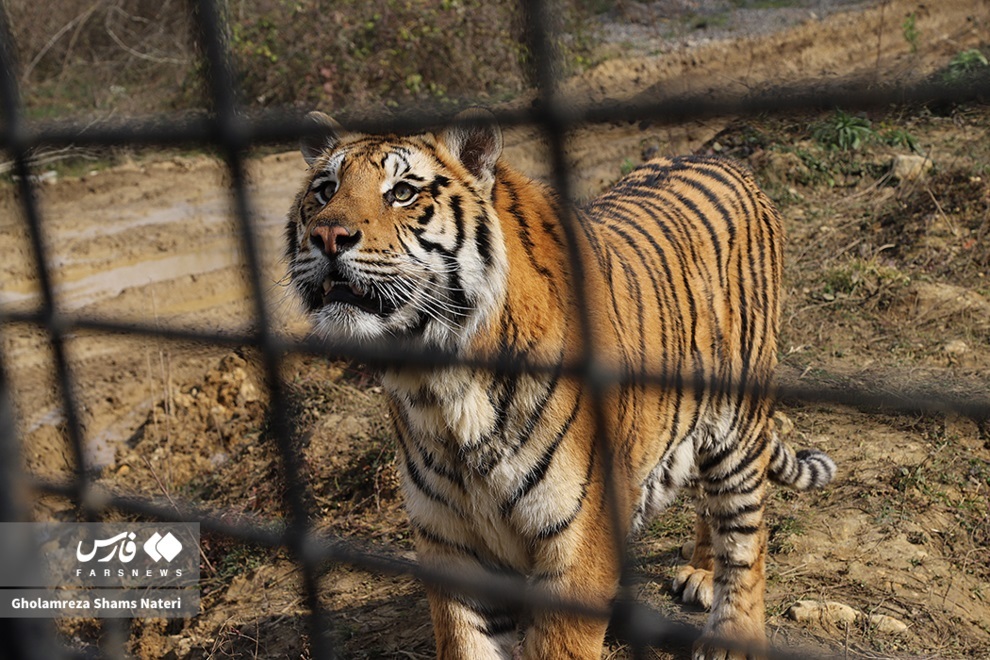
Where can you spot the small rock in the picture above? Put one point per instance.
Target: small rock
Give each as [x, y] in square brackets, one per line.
[123, 470]
[784, 424]
[887, 624]
[182, 400]
[910, 167]
[247, 393]
[956, 347]
[808, 611]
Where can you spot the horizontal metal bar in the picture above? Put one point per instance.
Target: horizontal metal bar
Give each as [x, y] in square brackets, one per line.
[649, 106]
[913, 397]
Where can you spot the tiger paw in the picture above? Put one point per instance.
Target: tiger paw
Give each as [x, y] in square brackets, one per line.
[733, 639]
[695, 586]
[711, 648]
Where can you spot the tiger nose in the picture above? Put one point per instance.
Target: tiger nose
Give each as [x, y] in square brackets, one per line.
[331, 239]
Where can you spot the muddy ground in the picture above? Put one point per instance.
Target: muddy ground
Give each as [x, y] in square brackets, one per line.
[887, 284]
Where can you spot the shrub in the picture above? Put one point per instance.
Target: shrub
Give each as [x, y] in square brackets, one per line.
[355, 52]
[137, 56]
[99, 56]
[965, 65]
[844, 131]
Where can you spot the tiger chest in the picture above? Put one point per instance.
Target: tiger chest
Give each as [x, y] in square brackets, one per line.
[470, 450]
[467, 420]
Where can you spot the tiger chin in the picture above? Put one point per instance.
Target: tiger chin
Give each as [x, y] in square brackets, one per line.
[433, 241]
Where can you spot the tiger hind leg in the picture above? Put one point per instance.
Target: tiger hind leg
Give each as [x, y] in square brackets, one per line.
[737, 550]
[799, 470]
[728, 565]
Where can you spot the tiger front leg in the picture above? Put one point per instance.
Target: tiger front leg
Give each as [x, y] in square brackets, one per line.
[466, 628]
[578, 564]
[738, 538]
[565, 635]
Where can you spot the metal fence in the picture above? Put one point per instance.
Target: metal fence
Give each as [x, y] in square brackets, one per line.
[228, 130]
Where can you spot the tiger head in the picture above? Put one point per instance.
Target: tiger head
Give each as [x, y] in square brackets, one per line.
[396, 236]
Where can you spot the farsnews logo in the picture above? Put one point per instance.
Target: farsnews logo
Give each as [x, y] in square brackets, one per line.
[161, 547]
[112, 554]
[123, 547]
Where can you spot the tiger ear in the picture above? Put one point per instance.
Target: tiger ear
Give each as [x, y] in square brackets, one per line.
[323, 133]
[475, 139]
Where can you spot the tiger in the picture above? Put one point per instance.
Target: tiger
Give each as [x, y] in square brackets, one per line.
[432, 242]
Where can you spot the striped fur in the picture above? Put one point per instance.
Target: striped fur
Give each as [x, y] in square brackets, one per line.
[502, 473]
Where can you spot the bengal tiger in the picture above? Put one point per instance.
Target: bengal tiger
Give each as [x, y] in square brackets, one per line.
[431, 241]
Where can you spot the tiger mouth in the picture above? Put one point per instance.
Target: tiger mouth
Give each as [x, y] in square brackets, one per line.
[347, 293]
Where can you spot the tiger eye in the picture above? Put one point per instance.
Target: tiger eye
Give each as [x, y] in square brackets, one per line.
[325, 190]
[403, 192]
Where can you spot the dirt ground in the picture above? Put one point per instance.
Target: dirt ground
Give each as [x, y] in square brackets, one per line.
[887, 284]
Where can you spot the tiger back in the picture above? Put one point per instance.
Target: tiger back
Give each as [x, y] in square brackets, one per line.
[432, 241]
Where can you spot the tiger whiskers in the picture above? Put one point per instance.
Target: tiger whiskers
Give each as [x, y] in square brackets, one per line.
[422, 301]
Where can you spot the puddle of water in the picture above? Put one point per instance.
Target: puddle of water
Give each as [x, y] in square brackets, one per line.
[110, 283]
[52, 417]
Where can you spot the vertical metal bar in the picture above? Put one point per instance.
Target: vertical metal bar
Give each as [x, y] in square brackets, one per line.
[18, 144]
[233, 142]
[31, 639]
[554, 123]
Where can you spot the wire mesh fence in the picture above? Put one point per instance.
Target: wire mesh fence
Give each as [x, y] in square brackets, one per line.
[232, 133]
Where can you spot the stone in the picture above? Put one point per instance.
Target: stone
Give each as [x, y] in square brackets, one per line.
[887, 624]
[813, 611]
[910, 167]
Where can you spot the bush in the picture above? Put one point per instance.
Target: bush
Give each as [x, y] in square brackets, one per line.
[139, 56]
[355, 52]
[98, 56]
[966, 65]
[844, 131]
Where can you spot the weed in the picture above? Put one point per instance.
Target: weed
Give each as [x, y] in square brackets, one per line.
[898, 137]
[676, 521]
[965, 64]
[240, 559]
[707, 21]
[979, 471]
[818, 171]
[867, 278]
[844, 131]
[627, 166]
[909, 28]
[782, 535]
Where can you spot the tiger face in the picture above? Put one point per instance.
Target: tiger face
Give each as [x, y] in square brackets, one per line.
[396, 237]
